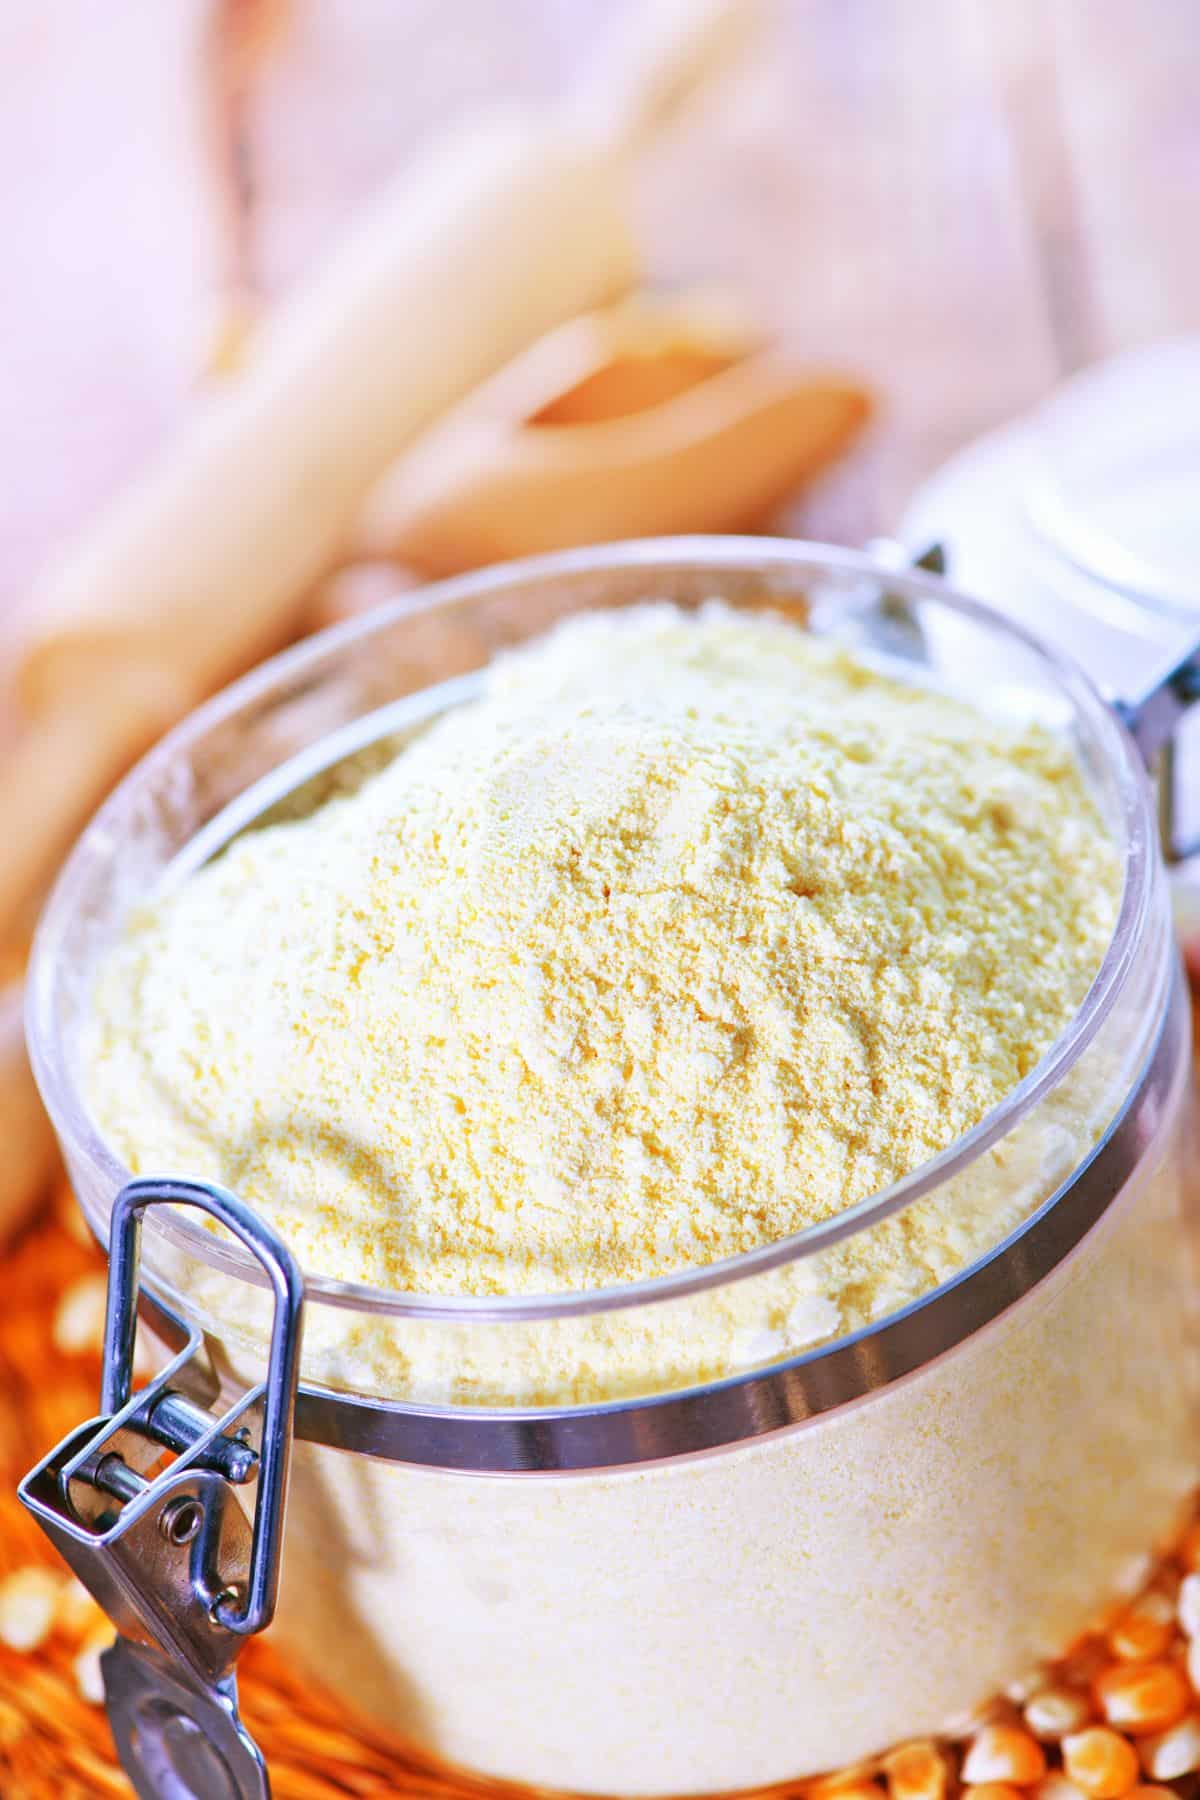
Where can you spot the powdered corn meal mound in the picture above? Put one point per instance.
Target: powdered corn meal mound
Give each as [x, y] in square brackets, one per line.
[690, 931]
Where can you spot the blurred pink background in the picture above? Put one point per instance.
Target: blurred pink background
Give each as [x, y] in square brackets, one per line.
[960, 200]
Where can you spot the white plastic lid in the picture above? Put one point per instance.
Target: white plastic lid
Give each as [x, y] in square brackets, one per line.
[1114, 475]
[1081, 521]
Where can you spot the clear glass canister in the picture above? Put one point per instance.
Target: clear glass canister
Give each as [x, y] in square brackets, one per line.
[717, 1529]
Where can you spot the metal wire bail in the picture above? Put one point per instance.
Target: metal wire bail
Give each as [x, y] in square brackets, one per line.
[168, 1551]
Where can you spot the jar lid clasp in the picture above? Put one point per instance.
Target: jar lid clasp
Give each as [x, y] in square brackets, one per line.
[165, 1546]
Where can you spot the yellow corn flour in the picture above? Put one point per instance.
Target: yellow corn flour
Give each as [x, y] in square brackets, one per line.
[690, 931]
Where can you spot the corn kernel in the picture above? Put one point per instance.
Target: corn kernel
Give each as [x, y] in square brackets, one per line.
[1101, 1762]
[1172, 1753]
[75, 1612]
[916, 1772]
[1144, 1631]
[1025, 1686]
[964, 1725]
[79, 1320]
[89, 1678]
[1158, 1602]
[27, 1601]
[1056, 1711]
[1142, 1698]
[1004, 1753]
[1188, 1604]
[1137, 1638]
[1055, 1786]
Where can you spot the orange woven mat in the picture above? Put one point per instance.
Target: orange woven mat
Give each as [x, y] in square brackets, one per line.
[54, 1743]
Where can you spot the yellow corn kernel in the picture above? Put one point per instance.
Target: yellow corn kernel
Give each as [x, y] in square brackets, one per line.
[1143, 1632]
[916, 1772]
[28, 1598]
[1170, 1754]
[76, 1613]
[1025, 1686]
[962, 1726]
[1055, 1786]
[1142, 1698]
[1056, 1711]
[1187, 1607]
[89, 1679]
[1004, 1753]
[79, 1319]
[1101, 1762]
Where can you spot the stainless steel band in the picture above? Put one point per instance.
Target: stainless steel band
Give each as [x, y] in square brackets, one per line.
[628, 1432]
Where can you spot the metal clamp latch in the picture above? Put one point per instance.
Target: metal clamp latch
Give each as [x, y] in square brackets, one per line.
[1151, 717]
[144, 1504]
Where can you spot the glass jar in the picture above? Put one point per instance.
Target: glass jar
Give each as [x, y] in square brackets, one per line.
[715, 1529]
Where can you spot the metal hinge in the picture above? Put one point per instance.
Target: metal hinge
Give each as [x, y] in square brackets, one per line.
[143, 1503]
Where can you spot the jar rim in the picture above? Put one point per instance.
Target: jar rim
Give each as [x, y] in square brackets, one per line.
[81, 1137]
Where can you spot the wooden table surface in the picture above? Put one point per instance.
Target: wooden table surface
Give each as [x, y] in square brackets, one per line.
[962, 199]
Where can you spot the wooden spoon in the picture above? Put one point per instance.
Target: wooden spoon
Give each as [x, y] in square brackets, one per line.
[651, 419]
